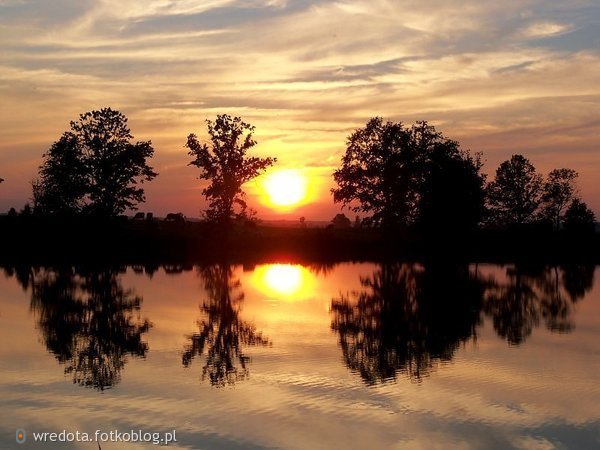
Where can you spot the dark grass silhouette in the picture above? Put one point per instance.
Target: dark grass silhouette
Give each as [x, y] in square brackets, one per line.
[51, 240]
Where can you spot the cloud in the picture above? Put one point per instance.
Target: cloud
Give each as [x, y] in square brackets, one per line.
[545, 29]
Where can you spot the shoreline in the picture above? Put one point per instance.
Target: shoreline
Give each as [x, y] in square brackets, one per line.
[86, 240]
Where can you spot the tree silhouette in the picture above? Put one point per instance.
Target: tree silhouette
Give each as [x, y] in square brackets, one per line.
[559, 192]
[87, 321]
[402, 175]
[222, 334]
[378, 171]
[341, 221]
[62, 185]
[225, 164]
[579, 217]
[94, 168]
[516, 192]
[26, 211]
[407, 319]
[453, 191]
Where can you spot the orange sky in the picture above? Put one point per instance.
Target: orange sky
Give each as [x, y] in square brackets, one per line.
[513, 77]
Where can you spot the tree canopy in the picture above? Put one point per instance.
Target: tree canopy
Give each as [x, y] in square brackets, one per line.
[62, 184]
[404, 176]
[516, 192]
[519, 195]
[452, 193]
[578, 217]
[559, 192]
[94, 168]
[224, 163]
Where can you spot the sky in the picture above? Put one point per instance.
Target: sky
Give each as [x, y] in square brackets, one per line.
[517, 76]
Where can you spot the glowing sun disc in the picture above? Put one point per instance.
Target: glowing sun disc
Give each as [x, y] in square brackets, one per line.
[285, 188]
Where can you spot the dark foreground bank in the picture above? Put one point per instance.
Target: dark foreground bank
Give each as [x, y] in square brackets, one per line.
[48, 240]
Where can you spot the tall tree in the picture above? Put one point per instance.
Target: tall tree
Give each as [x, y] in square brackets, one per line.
[94, 168]
[559, 192]
[452, 193]
[62, 183]
[377, 172]
[224, 163]
[401, 175]
[516, 192]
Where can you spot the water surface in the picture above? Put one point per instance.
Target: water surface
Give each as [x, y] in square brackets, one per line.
[405, 356]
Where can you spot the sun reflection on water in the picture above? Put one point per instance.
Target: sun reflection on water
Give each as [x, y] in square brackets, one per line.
[289, 281]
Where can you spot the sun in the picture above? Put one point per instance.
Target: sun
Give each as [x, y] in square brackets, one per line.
[285, 188]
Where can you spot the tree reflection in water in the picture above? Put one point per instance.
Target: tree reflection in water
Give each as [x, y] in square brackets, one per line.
[406, 319]
[531, 295]
[409, 318]
[222, 334]
[89, 322]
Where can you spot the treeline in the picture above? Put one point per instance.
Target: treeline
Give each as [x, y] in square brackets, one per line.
[397, 176]
[415, 177]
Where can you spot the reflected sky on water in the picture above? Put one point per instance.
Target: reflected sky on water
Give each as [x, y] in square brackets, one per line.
[397, 355]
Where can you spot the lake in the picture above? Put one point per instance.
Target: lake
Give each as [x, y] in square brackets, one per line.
[316, 356]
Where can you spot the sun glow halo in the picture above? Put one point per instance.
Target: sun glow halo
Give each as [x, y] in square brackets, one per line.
[285, 188]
